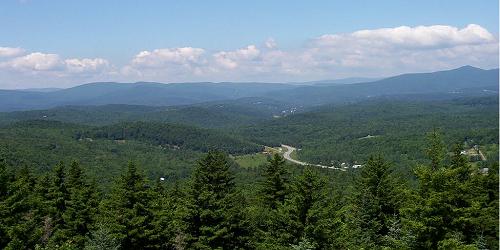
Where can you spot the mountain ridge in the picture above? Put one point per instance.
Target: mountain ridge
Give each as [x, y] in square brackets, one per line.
[172, 94]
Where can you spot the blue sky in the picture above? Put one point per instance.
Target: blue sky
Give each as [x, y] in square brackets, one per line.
[118, 31]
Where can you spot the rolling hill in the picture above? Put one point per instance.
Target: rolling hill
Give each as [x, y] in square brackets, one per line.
[448, 84]
[217, 114]
[141, 93]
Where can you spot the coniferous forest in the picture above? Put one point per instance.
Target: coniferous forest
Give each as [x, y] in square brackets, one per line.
[450, 205]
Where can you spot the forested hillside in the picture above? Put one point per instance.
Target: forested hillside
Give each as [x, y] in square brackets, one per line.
[172, 136]
[220, 114]
[40, 145]
[331, 134]
[396, 129]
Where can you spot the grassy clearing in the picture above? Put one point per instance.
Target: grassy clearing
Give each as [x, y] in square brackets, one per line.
[251, 160]
[294, 155]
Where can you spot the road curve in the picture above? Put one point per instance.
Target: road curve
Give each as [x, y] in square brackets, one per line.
[286, 155]
[290, 149]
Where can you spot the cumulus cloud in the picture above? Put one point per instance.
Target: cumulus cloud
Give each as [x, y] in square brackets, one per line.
[376, 52]
[162, 57]
[400, 49]
[38, 62]
[436, 36]
[232, 59]
[8, 51]
[35, 62]
[361, 53]
[39, 68]
[86, 65]
[165, 63]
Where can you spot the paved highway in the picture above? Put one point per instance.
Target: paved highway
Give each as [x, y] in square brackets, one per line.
[290, 149]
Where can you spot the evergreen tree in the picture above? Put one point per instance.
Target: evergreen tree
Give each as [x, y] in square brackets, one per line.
[127, 211]
[213, 219]
[317, 221]
[273, 194]
[101, 239]
[164, 206]
[276, 182]
[375, 204]
[486, 222]
[453, 206]
[81, 207]
[301, 216]
[55, 200]
[436, 150]
[20, 213]
[308, 190]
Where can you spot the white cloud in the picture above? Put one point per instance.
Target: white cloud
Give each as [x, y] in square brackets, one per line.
[34, 62]
[161, 57]
[8, 51]
[165, 63]
[376, 52]
[232, 59]
[86, 65]
[39, 68]
[41, 62]
[436, 36]
[402, 49]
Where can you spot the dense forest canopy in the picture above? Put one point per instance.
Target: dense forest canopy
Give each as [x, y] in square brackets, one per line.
[454, 206]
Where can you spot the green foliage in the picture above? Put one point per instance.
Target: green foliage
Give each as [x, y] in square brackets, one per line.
[21, 215]
[304, 245]
[81, 206]
[375, 204]
[336, 134]
[275, 186]
[214, 216]
[436, 150]
[175, 136]
[101, 239]
[453, 207]
[127, 211]
[40, 145]
[251, 161]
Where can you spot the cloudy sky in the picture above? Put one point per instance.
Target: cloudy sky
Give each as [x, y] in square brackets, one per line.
[63, 43]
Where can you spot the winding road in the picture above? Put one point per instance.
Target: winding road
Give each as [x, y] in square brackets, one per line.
[290, 149]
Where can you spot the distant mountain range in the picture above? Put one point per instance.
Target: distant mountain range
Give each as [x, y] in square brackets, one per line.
[349, 80]
[465, 80]
[41, 89]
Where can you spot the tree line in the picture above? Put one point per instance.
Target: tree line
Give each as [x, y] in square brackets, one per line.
[453, 206]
